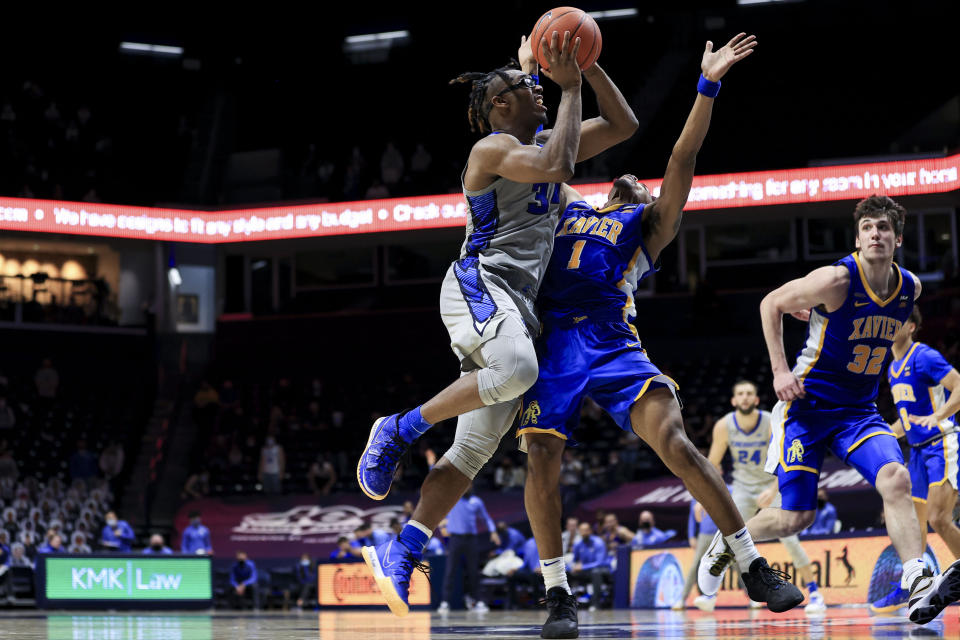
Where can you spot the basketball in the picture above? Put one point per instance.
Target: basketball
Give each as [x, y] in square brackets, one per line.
[578, 23]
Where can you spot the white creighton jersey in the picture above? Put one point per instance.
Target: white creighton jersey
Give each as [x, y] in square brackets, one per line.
[749, 451]
[509, 239]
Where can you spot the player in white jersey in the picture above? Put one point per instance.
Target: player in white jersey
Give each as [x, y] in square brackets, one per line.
[745, 431]
[512, 186]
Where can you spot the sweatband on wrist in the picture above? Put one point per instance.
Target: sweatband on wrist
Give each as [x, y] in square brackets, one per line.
[708, 88]
[535, 77]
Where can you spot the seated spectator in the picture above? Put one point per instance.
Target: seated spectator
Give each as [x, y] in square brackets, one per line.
[529, 574]
[826, 519]
[344, 550]
[29, 541]
[54, 544]
[591, 563]
[509, 476]
[306, 579]
[83, 464]
[569, 538]
[648, 534]
[322, 476]
[243, 579]
[79, 544]
[196, 537]
[117, 535]
[8, 420]
[510, 538]
[197, 486]
[365, 536]
[407, 512]
[157, 546]
[612, 532]
[10, 524]
[19, 557]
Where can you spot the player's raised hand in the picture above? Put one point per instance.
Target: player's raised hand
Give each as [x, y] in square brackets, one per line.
[716, 63]
[562, 66]
[929, 422]
[525, 54]
[787, 386]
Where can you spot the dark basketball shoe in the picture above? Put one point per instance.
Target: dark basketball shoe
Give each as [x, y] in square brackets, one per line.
[562, 621]
[771, 586]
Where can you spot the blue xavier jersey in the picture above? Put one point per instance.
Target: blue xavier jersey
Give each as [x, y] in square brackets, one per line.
[598, 259]
[915, 385]
[845, 350]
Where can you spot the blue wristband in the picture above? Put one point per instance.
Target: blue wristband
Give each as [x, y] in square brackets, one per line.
[708, 88]
[535, 77]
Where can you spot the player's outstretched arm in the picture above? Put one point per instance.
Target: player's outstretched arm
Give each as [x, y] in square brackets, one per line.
[506, 156]
[719, 445]
[824, 286]
[662, 218]
[615, 123]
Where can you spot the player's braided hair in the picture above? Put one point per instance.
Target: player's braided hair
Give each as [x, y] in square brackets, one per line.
[479, 110]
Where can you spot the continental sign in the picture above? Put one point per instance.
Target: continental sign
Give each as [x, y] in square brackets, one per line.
[352, 584]
[847, 570]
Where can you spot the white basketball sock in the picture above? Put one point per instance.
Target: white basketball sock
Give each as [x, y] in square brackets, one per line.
[743, 549]
[554, 573]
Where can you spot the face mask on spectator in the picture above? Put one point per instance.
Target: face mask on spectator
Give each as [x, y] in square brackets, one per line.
[156, 547]
[111, 522]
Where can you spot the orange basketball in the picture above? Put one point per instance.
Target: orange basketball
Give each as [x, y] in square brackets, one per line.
[579, 24]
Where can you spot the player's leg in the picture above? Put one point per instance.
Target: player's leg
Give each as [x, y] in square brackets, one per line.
[941, 500]
[941, 466]
[478, 435]
[542, 494]
[919, 490]
[922, 519]
[655, 417]
[506, 367]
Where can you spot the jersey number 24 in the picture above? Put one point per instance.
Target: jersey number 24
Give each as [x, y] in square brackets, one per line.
[746, 456]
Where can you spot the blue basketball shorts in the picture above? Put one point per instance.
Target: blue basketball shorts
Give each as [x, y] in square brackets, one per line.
[803, 430]
[602, 360]
[932, 466]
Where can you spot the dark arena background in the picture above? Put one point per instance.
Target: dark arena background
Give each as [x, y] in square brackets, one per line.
[222, 240]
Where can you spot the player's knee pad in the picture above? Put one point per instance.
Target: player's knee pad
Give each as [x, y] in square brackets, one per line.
[469, 456]
[511, 368]
[478, 435]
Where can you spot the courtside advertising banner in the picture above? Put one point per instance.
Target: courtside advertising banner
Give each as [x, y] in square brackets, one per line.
[848, 570]
[722, 191]
[140, 581]
[350, 584]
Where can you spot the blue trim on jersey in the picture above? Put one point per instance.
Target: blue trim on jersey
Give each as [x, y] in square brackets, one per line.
[486, 218]
[475, 293]
[737, 424]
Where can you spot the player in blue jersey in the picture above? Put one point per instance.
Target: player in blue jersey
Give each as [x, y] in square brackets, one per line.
[587, 347]
[826, 402]
[926, 390]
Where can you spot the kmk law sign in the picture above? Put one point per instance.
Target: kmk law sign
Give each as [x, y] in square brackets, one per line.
[84, 578]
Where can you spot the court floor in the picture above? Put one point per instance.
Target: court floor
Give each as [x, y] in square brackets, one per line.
[837, 623]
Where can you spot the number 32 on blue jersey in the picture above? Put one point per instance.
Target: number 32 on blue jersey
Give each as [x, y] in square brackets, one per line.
[544, 194]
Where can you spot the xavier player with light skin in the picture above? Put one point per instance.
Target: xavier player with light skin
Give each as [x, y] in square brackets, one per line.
[926, 390]
[512, 188]
[588, 348]
[826, 402]
[745, 431]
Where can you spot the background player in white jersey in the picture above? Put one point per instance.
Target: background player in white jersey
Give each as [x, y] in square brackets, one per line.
[745, 431]
[926, 390]
[827, 401]
[512, 186]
